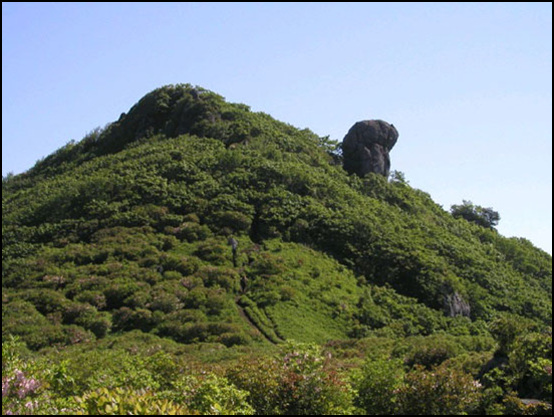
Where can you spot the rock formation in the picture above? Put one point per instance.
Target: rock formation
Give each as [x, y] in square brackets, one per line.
[366, 147]
[454, 305]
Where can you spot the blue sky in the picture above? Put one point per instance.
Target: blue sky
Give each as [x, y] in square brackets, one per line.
[468, 85]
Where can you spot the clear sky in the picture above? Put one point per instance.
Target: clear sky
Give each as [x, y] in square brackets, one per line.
[468, 85]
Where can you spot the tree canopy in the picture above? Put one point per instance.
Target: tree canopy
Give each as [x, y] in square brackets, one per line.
[483, 216]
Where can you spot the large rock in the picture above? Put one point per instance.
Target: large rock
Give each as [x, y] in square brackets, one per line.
[366, 147]
[454, 305]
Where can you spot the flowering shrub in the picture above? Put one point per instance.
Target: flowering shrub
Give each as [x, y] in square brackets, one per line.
[18, 384]
[440, 391]
[22, 393]
[18, 393]
[299, 382]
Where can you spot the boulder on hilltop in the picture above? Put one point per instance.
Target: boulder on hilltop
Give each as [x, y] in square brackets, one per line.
[366, 147]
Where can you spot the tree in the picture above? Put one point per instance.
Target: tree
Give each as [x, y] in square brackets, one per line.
[398, 177]
[483, 216]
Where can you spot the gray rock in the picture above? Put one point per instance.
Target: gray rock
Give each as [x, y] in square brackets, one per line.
[366, 147]
[455, 305]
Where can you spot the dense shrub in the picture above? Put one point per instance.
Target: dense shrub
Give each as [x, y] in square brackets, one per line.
[185, 266]
[164, 301]
[94, 298]
[233, 221]
[118, 291]
[213, 251]
[122, 401]
[299, 382]
[21, 318]
[213, 395]
[192, 232]
[21, 390]
[227, 279]
[514, 406]
[440, 391]
[429, 351]
[377, 385]
[531, 363]
[89, 318]
[128, 319]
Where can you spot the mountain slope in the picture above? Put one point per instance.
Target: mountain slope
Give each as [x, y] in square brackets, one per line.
[130, 227]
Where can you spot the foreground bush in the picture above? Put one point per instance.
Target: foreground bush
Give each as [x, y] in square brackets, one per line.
[377, 386]
[299, 382]
[122, 401]
[440, 391]
[212, 395]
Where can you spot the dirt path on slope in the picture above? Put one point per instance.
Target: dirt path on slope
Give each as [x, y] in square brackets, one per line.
[257, 330]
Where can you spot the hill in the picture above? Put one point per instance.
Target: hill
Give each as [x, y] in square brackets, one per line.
[199, 221]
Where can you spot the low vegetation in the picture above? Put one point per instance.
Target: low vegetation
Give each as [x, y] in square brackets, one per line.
[196, 257]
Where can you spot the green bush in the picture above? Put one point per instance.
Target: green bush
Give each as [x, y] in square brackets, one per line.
[196, 298]
[46, 301]
[232, 339]
[192, 232]
[94, 298]
[213, 251]
[505, 330]
[213, 395]
[216, 302]
[514, 406]
[530, 363]
[123, 401]
[172, 275]
[227, 279]
[430, 351]
[76, 334]
[19, 388]
[234, 221]
[267, 298]
[31, 387]
[440, 391]
[482, 216]
[88, 317]
[183, 265]
[119, 291]
[287, 293]
[165, 302]
[299, 382]
[262, 379]
[128, 319]
[377, 385]
[265, 264]
[20, 318]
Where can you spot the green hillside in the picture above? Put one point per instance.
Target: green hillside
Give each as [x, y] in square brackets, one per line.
[123, 241]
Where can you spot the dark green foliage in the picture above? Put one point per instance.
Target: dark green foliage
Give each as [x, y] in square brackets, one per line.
[531, 362]
[22, 319]
[130, 230]
[377, 385]
[483, 216]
